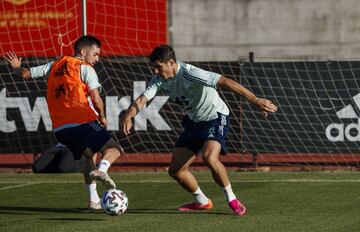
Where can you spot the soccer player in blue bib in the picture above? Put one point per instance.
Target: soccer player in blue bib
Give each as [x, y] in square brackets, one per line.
[205, 123]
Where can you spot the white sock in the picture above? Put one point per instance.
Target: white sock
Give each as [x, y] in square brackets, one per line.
[104, 165]
[92, 193]
[229, 194]
[200, 197]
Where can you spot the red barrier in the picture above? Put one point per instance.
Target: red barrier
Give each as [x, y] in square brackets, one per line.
[234, 161]
[49, 28]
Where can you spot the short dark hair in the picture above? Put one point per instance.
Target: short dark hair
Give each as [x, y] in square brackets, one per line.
[86, 41]
[162, 53]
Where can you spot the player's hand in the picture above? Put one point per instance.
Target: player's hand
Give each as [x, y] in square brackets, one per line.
[127, 124]
[13, 60]
[266, 106]
[103, 121]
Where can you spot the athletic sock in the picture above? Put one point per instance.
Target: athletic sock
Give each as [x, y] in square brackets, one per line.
[229, 194]
[104, 165]
[92, 193]
[200, 197]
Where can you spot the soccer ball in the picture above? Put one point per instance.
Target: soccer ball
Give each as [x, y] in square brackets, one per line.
[114, 202]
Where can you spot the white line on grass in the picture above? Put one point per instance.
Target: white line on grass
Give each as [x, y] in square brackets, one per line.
[297, 180]
[242, 181]
[171, 181]
[16, 186]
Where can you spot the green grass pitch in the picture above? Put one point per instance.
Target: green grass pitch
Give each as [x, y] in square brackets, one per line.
[276, 201]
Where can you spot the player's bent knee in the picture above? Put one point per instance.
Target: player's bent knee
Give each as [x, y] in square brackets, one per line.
[112, 144]
[174, 173]
[210, 160]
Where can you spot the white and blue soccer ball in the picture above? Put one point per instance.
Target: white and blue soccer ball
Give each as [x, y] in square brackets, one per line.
[114, 202]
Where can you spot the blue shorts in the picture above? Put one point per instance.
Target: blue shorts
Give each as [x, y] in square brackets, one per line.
[88, 135]
[195, 134]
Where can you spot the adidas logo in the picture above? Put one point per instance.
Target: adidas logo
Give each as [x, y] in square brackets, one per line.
[337, 132]
[211, 136]
[348, 111]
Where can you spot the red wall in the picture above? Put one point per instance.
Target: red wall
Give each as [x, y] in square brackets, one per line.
[49, 27]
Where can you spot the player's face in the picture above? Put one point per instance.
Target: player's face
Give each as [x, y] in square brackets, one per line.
[91, 54]
[164, 70]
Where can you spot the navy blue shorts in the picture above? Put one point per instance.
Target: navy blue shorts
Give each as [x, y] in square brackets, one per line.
[88, 135]
[195, 134]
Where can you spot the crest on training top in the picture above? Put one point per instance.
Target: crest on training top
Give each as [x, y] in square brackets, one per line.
[18, 2]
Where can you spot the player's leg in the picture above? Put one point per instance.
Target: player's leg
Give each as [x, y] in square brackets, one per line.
[111, 151]
[210, 156]
[90, 185]
[179, 170]
[84, 140]
[110, 155]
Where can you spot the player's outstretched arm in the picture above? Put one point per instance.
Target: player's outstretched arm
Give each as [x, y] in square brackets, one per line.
[15, 64]
[265, 105]
[126, 120]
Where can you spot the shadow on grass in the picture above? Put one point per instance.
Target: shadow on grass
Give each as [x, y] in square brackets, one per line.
[15, 213]
[15, 209]
[30, 210]
[70, 219]
[173, 211]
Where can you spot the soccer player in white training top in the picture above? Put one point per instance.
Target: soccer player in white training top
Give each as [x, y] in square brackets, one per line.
[205, 123]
